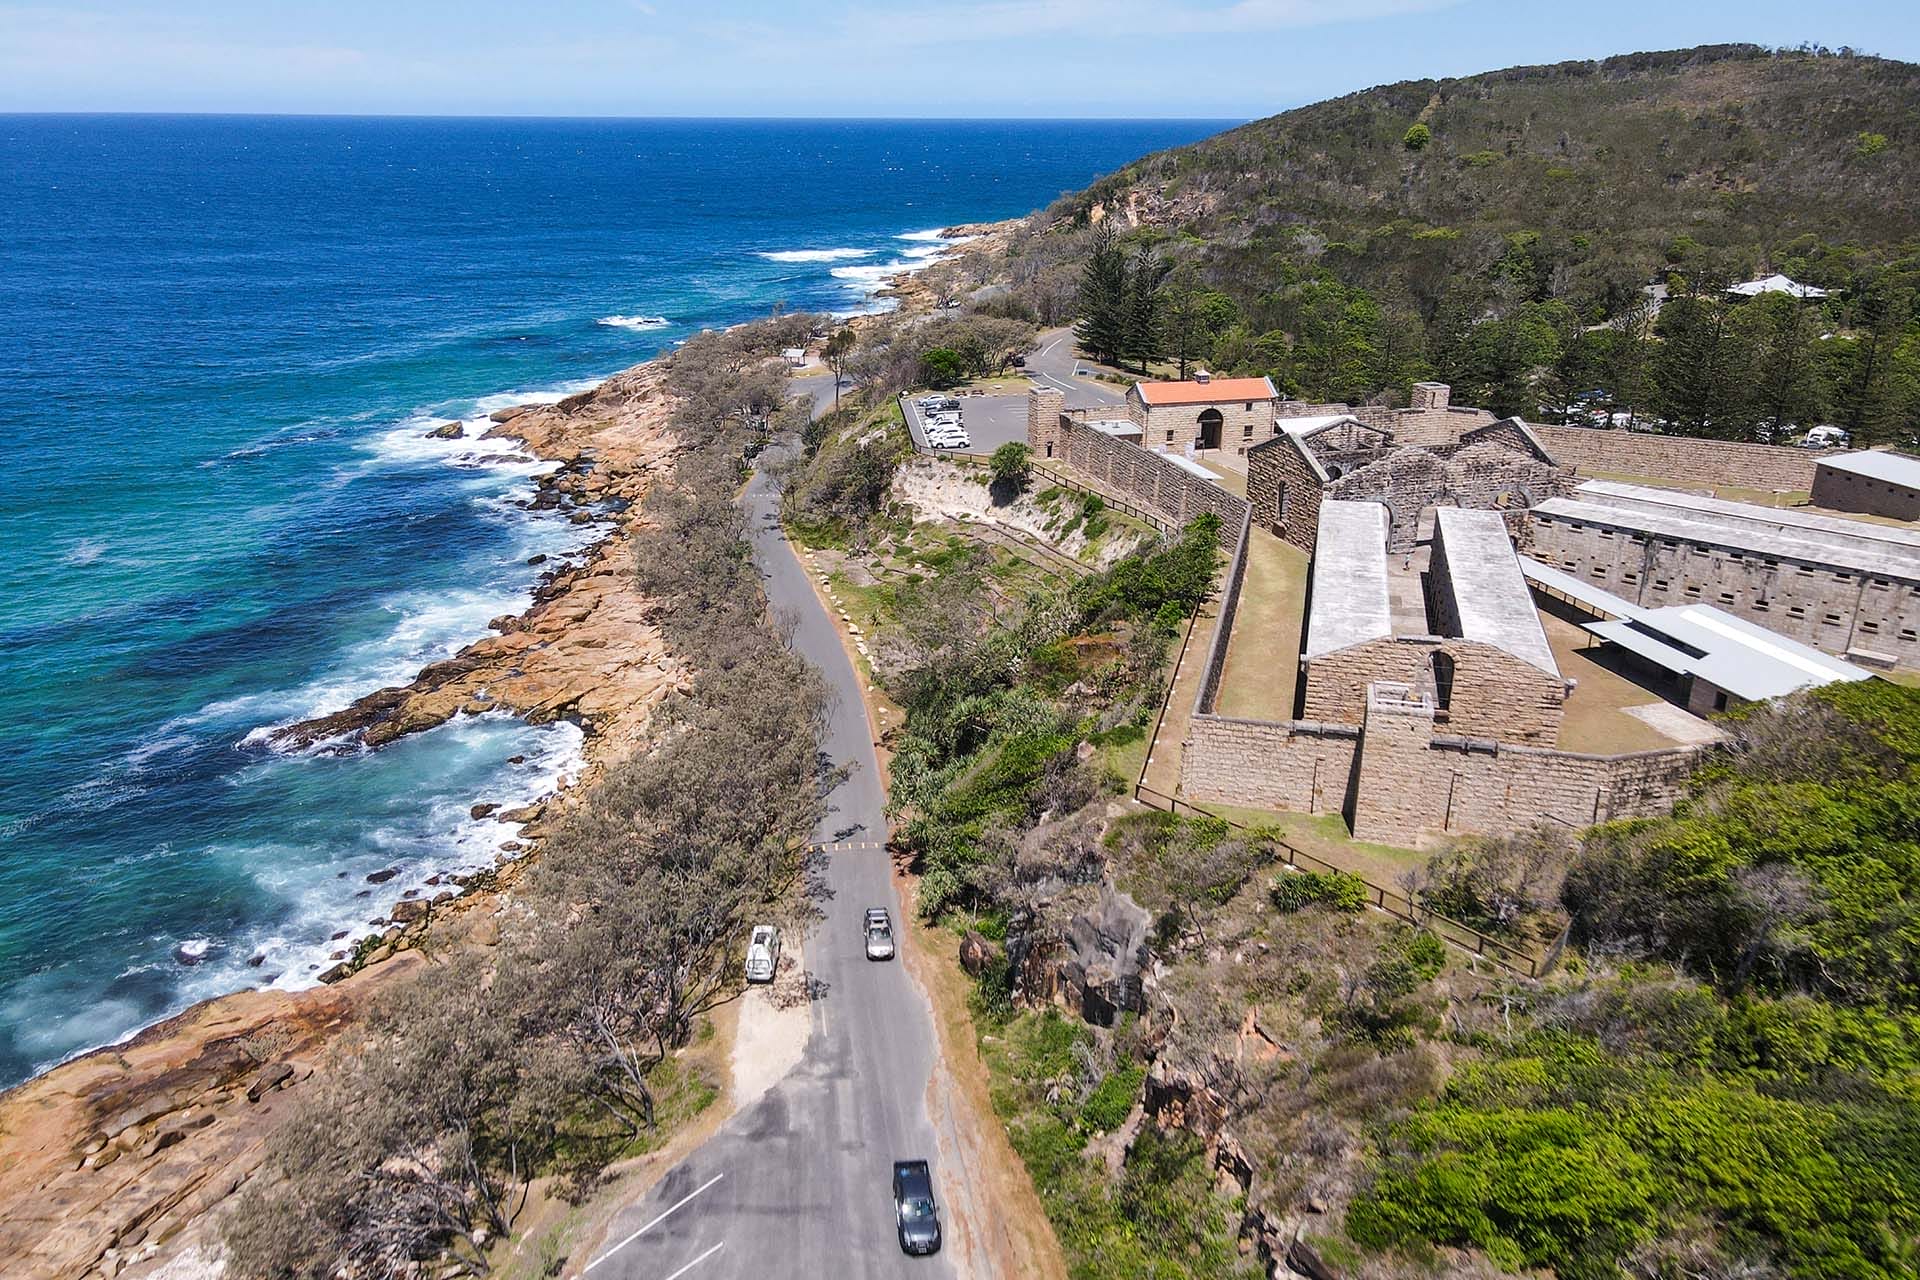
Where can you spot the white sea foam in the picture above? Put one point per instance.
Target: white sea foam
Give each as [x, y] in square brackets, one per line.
[878, 272]
[441, 839]
[639, 323]
[816, 255]
[937, 233]
[84, 552]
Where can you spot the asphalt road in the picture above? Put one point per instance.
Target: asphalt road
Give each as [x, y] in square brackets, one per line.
[800, 1183]
[1053, 364]
[992, 421]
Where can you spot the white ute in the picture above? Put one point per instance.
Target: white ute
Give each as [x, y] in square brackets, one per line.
[763, 953]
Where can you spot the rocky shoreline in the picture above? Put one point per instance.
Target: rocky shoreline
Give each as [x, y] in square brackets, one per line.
[123, 1149]
[109, 1157]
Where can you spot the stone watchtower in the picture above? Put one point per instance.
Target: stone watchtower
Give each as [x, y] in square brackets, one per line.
[1391, 803]
[1044, 408]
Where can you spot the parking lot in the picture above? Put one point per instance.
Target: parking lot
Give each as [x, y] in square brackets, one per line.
[991, 421]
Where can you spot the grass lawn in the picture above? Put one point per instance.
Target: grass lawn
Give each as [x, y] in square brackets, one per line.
[1324, 835]
[1596, 719]
[1263, 659]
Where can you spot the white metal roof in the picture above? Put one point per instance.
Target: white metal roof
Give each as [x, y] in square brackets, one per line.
[1878, 464]
[1730, 653]
[1188, 464]
[1490, 595]
[1615, 493]
[1351, 604]
[1551, 579]
[1776, 283]
[1843, 544]
[1114, 427]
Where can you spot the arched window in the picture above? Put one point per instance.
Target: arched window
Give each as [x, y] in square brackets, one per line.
[1442, 680]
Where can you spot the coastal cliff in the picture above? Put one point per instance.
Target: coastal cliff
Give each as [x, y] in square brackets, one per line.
[109, 1157]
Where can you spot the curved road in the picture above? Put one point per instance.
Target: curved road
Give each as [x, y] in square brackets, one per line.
[799, 1184]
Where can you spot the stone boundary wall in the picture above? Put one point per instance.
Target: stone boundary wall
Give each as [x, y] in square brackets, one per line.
[1223, 626]
[1152, 479]
[1458, 786]
[1301, 766]
[1687, 459]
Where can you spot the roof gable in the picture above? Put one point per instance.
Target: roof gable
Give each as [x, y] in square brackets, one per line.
[1212, 391]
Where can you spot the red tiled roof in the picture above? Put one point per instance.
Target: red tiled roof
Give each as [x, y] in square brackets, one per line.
[1212, 391]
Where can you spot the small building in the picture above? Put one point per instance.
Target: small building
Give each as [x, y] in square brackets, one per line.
[1203, 412]
[1874, 482]
[796, 357]
[1715, 660]
[1775, 283]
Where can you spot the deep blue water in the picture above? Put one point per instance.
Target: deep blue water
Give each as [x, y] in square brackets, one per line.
[221, 341]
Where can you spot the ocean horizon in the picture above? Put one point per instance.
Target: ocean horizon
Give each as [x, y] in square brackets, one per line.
[229, 337]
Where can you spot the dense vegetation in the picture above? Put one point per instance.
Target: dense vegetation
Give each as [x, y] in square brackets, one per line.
[555, 1052]
[1496, 232]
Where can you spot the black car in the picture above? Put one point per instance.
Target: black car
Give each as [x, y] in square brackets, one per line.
[914, 1212]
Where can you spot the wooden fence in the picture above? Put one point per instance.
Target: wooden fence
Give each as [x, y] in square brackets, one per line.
[1521, 960]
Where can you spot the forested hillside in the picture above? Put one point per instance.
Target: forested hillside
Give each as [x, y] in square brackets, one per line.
[1498, 231]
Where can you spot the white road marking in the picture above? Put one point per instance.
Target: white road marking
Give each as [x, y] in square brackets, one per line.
[697, 1261]
[656, 1222]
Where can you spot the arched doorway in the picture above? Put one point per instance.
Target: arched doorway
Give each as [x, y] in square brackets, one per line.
[1211, 422]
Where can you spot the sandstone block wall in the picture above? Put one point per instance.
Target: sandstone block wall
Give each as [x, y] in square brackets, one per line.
[1680, 458]
[1142, 474]
[1297, 766]
[1285, 492]
[1393, 787]
[1847, 491]
[1833, 610]
[1043, 421]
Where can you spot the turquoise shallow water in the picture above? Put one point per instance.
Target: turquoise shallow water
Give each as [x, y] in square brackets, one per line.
[221, 341]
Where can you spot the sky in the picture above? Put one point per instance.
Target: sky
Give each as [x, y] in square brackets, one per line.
[1193, 59]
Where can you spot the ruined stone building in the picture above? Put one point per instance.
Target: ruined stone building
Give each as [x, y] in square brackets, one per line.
[1430, 702]
[1465, 633]
[1447, 459]
[1846, 587]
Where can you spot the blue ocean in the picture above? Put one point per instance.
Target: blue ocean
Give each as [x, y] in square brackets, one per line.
[222, 342]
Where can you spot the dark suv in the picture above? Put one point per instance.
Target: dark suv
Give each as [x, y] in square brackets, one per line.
[914, 1212]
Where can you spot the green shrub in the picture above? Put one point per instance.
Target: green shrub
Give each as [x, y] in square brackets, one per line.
[1417, 137]
[1335, 890]
[1108, 1106]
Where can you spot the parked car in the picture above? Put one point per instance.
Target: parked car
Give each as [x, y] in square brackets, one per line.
[1018, 362]
[914, 1213]
[879, 929]
[1827, 436]
[953, 442]
[763, 953]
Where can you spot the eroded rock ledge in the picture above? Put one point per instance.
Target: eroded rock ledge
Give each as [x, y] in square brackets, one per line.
[110, 1164]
